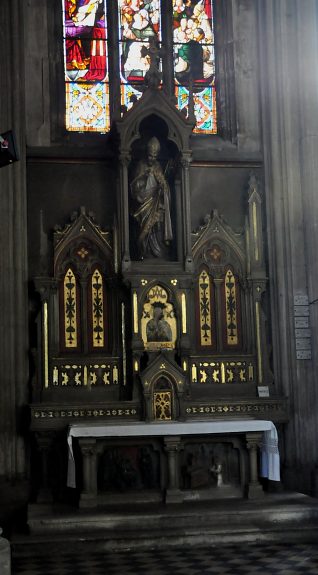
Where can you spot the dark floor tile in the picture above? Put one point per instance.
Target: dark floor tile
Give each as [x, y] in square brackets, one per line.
[227, 560]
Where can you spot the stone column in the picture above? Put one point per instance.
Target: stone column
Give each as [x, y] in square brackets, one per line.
[307, 392]
[45, 444]
[186, 219]
[172, 446]
[123, 217]
[88, 496]
[255, 490]
[289, 91]
[13, 250]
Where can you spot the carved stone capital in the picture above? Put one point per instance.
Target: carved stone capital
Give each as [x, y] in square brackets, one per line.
[259, 287]
[45, 286]
[88, 446]
[124, 159]
[185, 160]
[172, 444]
[253, 439]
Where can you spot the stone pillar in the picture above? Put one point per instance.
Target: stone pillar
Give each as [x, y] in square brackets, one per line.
[123, 219]
[308, 145]
[45, 445]
[5, 556]
[186, 218]
[172, 446]
[289, 91]
[89, 453]
[13, 250]
[255, 489]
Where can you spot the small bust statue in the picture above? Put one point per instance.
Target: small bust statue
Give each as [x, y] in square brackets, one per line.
[216, 470]
[151, 195]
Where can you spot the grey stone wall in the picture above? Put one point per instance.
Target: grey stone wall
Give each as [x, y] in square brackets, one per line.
[275, 94]
[289, 88]
[13, 251]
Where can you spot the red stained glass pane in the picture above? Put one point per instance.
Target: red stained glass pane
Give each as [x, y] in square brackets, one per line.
[85, 64]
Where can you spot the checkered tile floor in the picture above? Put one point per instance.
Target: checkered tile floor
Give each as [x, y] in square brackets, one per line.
[226, 560]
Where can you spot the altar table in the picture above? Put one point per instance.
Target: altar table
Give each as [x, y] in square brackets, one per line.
[174, 430]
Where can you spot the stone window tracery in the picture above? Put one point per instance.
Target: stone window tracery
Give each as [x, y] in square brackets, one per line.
[109, 47]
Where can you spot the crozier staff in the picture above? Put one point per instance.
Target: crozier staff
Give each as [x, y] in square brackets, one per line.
[150, 191]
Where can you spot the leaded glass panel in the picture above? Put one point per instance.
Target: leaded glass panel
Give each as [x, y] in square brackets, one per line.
[139, 34]
[194, 60]
[139, 24]
[85, 65]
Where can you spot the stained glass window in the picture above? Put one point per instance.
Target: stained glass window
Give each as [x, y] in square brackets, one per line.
[87, 57]
[139, 28]
[194, 62]
[85, 65]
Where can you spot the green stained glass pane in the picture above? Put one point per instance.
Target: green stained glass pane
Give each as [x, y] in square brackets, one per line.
[194, 59]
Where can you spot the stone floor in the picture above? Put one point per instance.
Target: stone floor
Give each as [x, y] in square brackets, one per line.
[246, 559]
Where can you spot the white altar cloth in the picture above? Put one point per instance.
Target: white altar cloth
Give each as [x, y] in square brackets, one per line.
[270, 464]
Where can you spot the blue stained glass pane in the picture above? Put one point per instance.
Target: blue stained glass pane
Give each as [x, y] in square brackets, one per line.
[87, 107]
[204, 108]
[129, 95]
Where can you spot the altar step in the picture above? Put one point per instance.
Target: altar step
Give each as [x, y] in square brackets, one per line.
[278, 518]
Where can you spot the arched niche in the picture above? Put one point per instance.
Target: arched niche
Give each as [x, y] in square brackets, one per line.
[163, 385]
[161, 241]
[155, 116]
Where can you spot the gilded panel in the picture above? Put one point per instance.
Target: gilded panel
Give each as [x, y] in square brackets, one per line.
[98, 309]
[231, 328]
[70, 310]
[162, 401]
[158, 321]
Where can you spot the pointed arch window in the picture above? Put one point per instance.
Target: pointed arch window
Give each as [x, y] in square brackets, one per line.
[86, 65]
[194, 60]
[131, 28]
